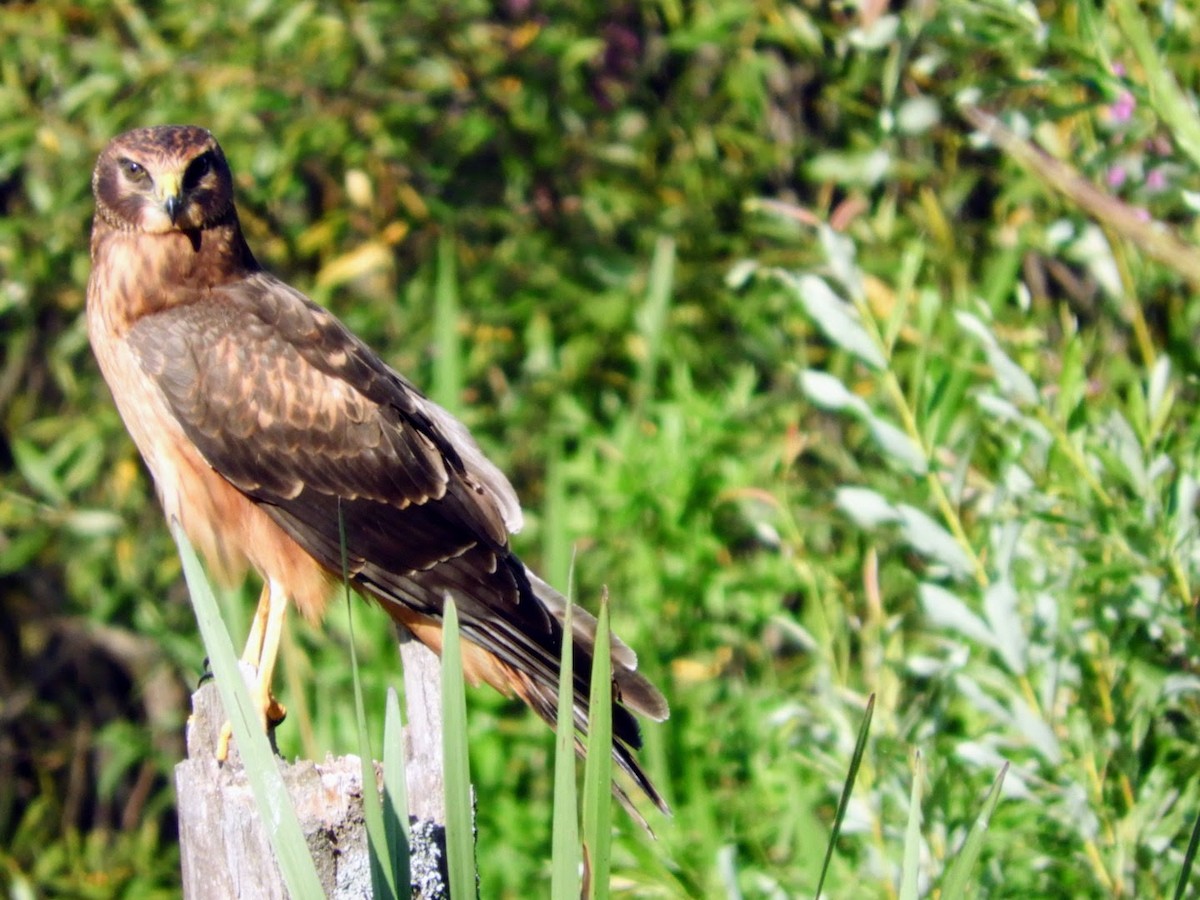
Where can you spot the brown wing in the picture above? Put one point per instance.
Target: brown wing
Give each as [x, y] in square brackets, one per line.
[304, 419]
[297, 413]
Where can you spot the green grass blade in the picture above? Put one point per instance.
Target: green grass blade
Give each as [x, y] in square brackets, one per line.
[383, 883]
[1189, 859]
[652, 317]
[955, 884]
[270, 795]
[447, 360]
[860, 748]
[597, 772]
[460, 841]
[556, 542]
[564, 878]
[395, 791]
[912, 833]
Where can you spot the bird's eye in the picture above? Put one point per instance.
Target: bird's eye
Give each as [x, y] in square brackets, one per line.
[134, 170]
[199, 167]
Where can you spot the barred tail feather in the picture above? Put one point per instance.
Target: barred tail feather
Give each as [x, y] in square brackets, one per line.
[519, 654]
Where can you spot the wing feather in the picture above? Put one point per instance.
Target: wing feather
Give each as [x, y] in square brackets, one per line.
[297, 413]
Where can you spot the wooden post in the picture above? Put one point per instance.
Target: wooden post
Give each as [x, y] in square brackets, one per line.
[224, 849]
[424, 776]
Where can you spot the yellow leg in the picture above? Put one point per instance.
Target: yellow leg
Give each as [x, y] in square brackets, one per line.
[262, 650]
[277, 603]
[254, 641]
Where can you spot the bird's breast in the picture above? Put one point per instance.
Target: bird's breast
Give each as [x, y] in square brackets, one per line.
[227, 527]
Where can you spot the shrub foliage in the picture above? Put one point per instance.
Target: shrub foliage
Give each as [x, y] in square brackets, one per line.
[834, 395]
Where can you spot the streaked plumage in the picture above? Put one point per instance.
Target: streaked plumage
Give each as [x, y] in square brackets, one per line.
[262, 419]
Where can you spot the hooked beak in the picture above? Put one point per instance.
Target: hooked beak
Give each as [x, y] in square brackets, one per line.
[170, 194]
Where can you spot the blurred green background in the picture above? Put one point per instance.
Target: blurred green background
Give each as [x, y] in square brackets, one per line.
[985, 516]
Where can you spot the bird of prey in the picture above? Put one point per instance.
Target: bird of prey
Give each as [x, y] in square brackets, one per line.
[271, 430]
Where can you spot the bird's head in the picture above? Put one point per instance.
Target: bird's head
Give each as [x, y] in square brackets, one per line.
[162, 179]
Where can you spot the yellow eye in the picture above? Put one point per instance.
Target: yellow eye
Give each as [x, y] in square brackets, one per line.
[134, 170]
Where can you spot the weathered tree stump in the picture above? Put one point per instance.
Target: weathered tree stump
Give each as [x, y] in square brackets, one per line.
[424, 774]
[225, 851]
[224, 848]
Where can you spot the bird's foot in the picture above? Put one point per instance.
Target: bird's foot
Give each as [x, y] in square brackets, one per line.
[270, 713]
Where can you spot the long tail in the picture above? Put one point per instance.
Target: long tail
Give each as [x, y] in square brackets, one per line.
[519, 652]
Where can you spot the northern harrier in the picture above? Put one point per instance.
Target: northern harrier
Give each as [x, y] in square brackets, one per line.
[264, 421]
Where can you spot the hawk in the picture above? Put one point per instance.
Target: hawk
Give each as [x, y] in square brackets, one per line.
[270, 430]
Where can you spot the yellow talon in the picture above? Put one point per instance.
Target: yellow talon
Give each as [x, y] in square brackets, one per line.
[262, 648]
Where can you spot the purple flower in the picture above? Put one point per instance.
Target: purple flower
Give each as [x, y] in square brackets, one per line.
[1122, 109]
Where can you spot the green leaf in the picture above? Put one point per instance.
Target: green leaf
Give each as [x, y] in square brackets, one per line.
[1189, 859]
[652, 316]
[860, 749]
[896, 446]
[460, 825]
[556, 541]
[564, 872]
[842, 259]
[597, 772]
[447, 359]
[1000, 605]
[879, 35]
[911, 869]
[1013, 381]
[740, 273]
[836, 318]
[830, 393]
[270, 795]
[955, 885]
[917, 115]
[38, 470]
[944, 609]
[1170, 101]
[869, 509]
[933, 541]
[865, 169]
